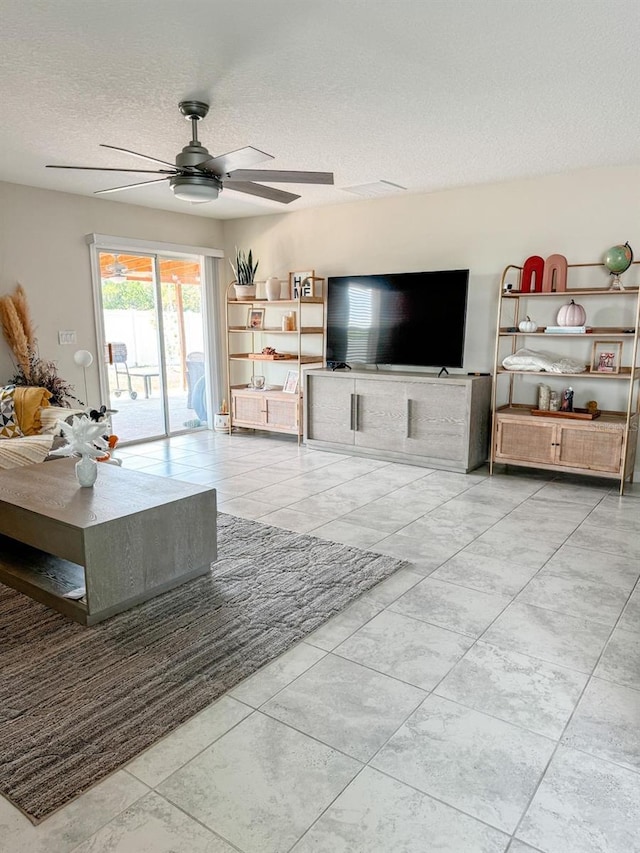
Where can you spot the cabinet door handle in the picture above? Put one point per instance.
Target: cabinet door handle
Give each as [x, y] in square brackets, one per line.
[352, 412]
[356, 412]
[409, 401]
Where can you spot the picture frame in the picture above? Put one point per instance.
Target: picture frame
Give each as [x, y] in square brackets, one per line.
[606, 356]
[255, 318]
[291, 382]
[298, 286]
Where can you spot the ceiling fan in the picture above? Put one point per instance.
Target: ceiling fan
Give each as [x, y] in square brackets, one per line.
[117, 271]
[198, 177]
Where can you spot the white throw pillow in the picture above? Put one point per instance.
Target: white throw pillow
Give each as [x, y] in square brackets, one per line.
[528, 359]
[50, 415]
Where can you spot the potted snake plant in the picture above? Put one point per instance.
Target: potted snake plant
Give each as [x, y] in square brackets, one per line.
[245, 273]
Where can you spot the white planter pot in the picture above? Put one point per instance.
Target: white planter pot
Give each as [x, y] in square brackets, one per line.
[221, 422]
[245, 291]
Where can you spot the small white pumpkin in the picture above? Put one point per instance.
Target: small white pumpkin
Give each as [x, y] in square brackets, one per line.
[571, 314]
[527, 325]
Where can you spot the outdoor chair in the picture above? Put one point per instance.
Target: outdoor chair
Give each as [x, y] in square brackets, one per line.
[121, 368]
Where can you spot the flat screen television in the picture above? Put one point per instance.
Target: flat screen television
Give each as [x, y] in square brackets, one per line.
[415, 318]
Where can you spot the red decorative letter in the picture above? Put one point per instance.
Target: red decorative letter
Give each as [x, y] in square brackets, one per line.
[532, 266]
[555, 271]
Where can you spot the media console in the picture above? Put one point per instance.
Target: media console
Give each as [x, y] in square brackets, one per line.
[415, 418]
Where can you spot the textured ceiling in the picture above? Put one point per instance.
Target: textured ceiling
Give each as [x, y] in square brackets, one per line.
[427, 94]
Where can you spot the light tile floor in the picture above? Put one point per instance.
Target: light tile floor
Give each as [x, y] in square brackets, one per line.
[484, 699]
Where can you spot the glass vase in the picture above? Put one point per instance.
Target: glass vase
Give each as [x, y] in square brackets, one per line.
[86, 471]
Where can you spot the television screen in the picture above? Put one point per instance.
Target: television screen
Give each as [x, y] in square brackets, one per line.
[415, 318]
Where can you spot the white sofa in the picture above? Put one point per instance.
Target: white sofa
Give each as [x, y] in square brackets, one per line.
[33, 428]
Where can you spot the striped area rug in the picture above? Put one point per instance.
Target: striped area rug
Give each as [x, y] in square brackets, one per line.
[77, 703]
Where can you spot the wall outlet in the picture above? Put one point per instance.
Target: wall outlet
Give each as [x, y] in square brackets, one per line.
[67, 337]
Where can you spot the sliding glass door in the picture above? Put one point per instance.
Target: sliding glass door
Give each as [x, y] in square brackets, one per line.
[152, 316]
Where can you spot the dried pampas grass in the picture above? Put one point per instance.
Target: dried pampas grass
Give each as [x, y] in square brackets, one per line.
[19, 333]
[14, 332]
[22, 307]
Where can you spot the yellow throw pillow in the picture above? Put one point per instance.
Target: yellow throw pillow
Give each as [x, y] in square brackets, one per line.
[9, 426]
[28, 402]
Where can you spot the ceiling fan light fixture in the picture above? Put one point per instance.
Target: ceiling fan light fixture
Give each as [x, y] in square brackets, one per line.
[198, 189]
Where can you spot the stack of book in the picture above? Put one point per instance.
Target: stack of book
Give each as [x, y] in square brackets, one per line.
[567, 330]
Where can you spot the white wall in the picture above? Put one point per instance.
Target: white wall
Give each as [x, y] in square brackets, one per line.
[42, 246]
[483, 228]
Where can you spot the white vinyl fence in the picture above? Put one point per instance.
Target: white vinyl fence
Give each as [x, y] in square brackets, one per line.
[138, 330]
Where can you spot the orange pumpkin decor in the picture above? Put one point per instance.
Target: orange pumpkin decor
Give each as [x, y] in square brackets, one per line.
[112, 441]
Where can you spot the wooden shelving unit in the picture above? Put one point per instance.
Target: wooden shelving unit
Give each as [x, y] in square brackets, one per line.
[603, 447]
[625, 373]
[273, 409]
[594, 332]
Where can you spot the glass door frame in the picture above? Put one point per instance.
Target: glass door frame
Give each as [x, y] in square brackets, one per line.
[210, 314]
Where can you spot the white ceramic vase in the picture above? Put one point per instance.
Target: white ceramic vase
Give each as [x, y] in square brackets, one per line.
[273, 288]
[86, 471]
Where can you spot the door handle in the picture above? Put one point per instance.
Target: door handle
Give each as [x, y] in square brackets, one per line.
[356, 412]
[409, 401]
[352, 413]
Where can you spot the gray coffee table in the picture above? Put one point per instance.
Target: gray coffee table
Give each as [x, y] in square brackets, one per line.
[129, 538]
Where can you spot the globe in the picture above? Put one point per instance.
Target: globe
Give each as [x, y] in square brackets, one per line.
[618, 259]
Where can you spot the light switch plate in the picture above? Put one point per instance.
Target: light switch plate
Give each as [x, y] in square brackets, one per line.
[66, 337]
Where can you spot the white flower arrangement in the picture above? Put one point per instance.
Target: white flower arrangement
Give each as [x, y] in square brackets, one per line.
[84, 438]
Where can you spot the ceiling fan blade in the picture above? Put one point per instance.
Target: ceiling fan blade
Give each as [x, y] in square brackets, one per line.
[240, 159]
[264, 192]
[130, 186]
[280, 177]
[108, 169]
[142, 156]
